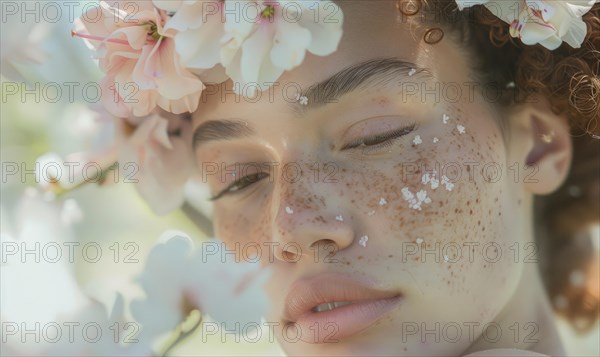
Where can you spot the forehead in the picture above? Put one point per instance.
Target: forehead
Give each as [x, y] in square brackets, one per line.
[371, 29]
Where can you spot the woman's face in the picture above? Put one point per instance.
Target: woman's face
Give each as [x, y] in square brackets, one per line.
[440, 255]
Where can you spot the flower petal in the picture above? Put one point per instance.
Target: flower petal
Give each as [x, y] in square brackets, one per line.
[199, 48]
[173, 82]
[576, 34]
[326, 33]
[290, 43]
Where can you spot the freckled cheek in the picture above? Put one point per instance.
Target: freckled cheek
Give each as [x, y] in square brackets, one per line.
[240, 226]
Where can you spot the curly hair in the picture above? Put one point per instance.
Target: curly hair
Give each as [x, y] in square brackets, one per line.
[570, 79]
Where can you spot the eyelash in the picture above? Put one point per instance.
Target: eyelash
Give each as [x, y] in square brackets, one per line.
[373, 142]
[378, 141]
[247, 178]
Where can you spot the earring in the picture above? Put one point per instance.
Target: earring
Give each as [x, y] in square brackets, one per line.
[548, 138]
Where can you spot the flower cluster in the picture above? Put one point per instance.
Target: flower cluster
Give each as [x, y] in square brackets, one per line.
[181, 281]
[548, 23]
[158, 53]
[157, 57]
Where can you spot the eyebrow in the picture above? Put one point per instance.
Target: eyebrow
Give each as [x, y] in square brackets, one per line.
[372, 73]
[214, 130]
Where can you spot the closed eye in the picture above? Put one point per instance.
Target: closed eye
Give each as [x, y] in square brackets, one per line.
[379, 140]
[240, 184]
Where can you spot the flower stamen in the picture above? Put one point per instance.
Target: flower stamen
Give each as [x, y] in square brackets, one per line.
[268, 12]
[153, 33]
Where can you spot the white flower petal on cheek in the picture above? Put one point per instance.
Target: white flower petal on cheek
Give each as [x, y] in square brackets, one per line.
[363, 240]
[289, 210]
[382, 201]
[460, 128]
[417, 140]
[419, 240]
[422, 196]
[415, 202]
[339, 218]
[446, 182]
[430, 178]
[435, 140]
[303, 100]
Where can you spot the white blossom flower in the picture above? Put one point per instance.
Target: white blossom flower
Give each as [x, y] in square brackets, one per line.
[197, 29]
[41, 288]
[178, 279]
[548, 23]
[258, 49]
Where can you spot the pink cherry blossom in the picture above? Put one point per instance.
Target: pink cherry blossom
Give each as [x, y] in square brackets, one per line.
[161, 160]
[153, 153]
[142, 68]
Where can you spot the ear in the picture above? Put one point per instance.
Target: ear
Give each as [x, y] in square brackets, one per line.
[540, 140]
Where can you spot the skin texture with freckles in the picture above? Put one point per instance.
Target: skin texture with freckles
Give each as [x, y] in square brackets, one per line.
[459, 262]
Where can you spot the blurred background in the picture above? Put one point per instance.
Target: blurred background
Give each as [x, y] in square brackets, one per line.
[45, 109]
[40, 114]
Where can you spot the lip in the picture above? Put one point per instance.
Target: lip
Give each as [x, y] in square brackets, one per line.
[368, 306]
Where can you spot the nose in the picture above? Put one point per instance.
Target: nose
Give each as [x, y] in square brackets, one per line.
[309, 221]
